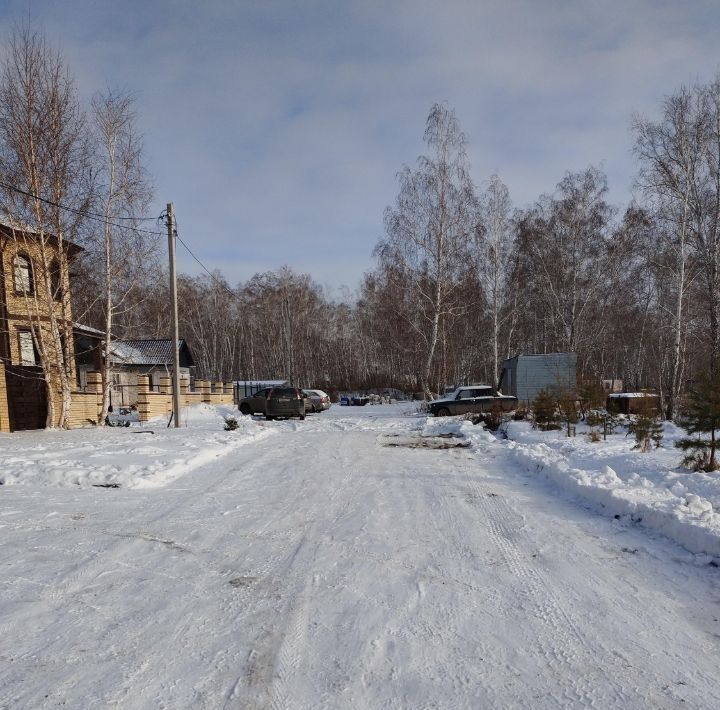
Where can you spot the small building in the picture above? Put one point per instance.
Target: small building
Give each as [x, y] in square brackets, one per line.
[153, 358]
[631, 402]
[525, 376]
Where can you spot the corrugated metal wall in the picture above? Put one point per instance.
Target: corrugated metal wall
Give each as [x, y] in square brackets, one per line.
[525, 376]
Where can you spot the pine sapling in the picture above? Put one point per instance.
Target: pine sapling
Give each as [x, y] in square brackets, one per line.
[569, 412]
[702, 416]
[592, 398]
[545, 412]
[647, 426]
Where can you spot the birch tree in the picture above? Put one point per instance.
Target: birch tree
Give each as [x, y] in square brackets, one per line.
[563, 250]
[123, 191]
[494, 250]
[428, 231]
[43, 152]
[670, 152]
[706, 209]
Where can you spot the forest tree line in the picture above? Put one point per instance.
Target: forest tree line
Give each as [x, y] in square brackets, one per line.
[462, 278]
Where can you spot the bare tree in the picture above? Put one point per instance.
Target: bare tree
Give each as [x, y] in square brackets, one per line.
[43, 153]
[494, 250]
[123, 191]
[706, 209]
[563, 251]
[670, 152]
[428, 231]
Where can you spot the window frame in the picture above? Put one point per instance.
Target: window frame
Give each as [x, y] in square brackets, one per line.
[56, 280]
[19, 289]
[22, 348]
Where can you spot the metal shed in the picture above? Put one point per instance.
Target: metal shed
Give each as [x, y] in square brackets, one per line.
[524, 376]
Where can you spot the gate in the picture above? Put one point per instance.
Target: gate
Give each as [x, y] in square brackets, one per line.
[27, 397]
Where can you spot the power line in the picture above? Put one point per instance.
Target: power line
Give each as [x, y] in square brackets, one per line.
[101, 218]
[205, 269]
[223, 286]
[85, 213]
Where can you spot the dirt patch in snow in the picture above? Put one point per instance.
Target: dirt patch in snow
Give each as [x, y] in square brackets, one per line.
[450, 440]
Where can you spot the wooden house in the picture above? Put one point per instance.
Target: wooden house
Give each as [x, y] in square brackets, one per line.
[34, 292]
[152, 358]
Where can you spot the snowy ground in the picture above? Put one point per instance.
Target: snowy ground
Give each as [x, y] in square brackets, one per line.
[344, 562]
[651, 489]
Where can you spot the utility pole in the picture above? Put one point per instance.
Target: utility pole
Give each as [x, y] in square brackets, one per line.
[174, 305]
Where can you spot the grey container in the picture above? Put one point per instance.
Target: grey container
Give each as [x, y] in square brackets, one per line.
[524, 376]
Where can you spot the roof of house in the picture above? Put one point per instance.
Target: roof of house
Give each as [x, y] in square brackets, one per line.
[149, 352]
[80, 329]
[11, 226]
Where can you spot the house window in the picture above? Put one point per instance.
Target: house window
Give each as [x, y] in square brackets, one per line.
[28, 351]
[56, 280]
[22, 268]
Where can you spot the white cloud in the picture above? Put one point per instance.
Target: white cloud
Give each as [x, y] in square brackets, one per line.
[277, 127]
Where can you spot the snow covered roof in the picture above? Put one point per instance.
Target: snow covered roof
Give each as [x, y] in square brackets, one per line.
[87, 330]
[630, 395]
[149, 352]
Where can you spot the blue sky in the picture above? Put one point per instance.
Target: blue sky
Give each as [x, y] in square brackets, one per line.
[277, 128]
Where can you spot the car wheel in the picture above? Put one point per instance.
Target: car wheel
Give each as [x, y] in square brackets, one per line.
[443, 412]
[302, 416]
[245, 409]
[268, 417]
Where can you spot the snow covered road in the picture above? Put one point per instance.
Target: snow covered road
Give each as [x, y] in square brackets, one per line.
[318, 567]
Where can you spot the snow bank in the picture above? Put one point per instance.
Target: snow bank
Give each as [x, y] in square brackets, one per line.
[144, 456]
[650, 489]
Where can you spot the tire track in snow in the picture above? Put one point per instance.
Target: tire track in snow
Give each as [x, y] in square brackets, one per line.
[235, 603]
[291, 648]
[589, 673]
[566, 652]
[475, 602]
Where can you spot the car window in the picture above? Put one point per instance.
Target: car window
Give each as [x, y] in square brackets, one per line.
[465, 394]
[284, 392]
[483, 392]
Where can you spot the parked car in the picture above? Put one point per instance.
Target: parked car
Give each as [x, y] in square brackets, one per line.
[309, 403]
[275, 402]
[471, 399]
[321, 400]
[122, 416]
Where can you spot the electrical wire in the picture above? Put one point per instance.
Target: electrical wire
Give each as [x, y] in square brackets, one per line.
[222, 285]
[85, 213]
[205, 269]
[101, 218]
